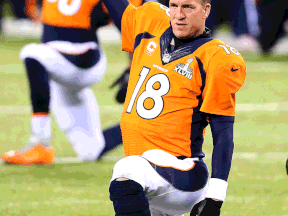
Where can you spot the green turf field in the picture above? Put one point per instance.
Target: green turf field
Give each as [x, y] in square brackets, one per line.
[257, 183]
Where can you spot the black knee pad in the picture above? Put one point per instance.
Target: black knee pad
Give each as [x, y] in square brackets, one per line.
[128, 198]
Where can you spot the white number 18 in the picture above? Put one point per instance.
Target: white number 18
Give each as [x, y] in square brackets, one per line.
[155, 94]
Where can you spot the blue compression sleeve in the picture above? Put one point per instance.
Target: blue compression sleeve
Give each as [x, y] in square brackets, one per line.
[222, 133]
[116, 9]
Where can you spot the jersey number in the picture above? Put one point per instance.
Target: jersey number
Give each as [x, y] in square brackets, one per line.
[150, 92]
[167, 10]
[68, 7]
[231, 49]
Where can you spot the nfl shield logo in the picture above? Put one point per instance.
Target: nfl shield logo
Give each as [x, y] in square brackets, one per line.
[166, 58]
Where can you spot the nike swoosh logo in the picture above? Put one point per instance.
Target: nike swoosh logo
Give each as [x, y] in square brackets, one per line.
[233, 70]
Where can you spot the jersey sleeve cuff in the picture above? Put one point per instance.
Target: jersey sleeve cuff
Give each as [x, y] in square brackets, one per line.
[217, 189]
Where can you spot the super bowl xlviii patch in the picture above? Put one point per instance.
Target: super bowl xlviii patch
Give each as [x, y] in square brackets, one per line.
[184, 69]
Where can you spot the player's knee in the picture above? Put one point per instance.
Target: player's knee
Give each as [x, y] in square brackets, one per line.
[128, 198]
[130, 164]
[28, 51]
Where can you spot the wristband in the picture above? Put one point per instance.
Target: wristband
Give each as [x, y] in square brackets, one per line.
[217, 189]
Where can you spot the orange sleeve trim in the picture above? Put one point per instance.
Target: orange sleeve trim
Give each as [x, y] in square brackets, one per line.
[219, 112]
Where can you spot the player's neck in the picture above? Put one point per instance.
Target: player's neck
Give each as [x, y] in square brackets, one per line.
[176, 42]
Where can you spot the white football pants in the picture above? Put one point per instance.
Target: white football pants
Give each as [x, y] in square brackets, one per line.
[164, 199]
[72, 101]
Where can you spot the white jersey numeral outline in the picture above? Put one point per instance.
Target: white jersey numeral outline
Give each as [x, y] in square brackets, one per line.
[68, 9]
[233, 50]
[167, 10]
[155, 94]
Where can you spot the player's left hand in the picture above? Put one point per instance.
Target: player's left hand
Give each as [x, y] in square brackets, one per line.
[122, 81]
[207, 207]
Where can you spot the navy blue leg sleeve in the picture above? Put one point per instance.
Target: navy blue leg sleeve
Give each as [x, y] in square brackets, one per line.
[39, 85]
[113, 138]
[128, 198]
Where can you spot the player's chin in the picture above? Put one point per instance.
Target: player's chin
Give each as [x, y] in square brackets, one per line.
[181, 36]
[179, 33]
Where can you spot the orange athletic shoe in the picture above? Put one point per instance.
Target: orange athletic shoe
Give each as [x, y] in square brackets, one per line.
[38, 154]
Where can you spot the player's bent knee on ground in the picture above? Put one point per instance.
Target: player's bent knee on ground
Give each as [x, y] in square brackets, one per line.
[63, 68]
[162, 193]
[128, 198]
[127, 194]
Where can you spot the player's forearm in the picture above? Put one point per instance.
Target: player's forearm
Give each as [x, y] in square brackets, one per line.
[222, 132]
[31, 9]
[116, 9]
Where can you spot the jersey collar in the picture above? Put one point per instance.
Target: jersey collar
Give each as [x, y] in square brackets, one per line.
[168, 56]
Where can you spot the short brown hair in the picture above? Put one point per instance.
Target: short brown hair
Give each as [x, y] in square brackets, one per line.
[205, 1]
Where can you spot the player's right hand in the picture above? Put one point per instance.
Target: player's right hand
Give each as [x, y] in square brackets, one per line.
[207, 207]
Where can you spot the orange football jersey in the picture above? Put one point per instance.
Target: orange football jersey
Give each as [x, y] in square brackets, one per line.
[71, 20]
[171, 93]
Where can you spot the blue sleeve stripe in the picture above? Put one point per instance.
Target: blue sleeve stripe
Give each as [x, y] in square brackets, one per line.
[139, 37]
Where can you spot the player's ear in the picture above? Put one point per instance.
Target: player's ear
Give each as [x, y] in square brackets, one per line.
[207, 9]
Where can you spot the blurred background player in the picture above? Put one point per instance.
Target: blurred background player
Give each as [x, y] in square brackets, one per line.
[241, 16]
[61, 70]
[63, 67]
[18, 9]
[273, 16]
[19, 14]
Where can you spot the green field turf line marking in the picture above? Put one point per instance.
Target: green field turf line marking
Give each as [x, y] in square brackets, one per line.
[19, 68]
[263, 67]
[54, 202]
[266, 67]
[240, 107]
[238, 155]
[28, 109]
[270, 107]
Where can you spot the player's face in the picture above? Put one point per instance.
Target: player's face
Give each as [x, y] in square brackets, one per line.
[188, 17]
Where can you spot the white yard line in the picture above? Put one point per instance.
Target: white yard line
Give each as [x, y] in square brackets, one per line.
[240, 107]
[27, 109]
[263, 67]
[251, 107]
[238, 155]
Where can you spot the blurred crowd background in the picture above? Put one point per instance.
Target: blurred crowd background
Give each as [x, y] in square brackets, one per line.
[248, 25]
